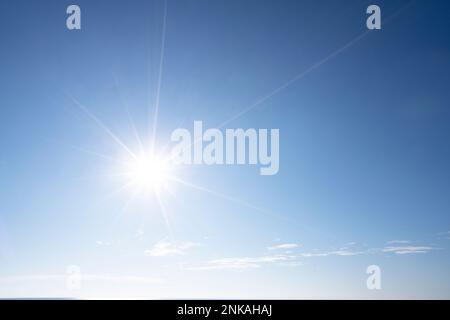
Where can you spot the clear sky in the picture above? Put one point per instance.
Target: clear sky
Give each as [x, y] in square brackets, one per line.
[364, 173]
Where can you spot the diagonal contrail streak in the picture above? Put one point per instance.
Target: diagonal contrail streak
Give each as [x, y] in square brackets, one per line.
[295, 79]
[220, 195]
[165, 215]
[290, 82]
[312, 68]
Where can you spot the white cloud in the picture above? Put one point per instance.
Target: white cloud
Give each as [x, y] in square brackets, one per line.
[242, 263]
[103, 243]
[407, 249]
[399, 242]
[285, 259]
[314, 254]
[139, 233]
[343, 252]
[165, 248]
[284, 246]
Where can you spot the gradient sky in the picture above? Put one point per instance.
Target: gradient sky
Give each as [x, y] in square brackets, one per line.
[364, 149]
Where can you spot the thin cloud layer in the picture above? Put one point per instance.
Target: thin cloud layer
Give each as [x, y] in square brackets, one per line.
[341, 252]
[242, 263]
[408, 249]
[284, 246]
[165, 248]
[399, 242]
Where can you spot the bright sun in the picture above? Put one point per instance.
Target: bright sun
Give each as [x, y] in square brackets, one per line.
[148, 173]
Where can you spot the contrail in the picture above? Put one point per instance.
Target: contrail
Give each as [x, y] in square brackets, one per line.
[290, 82]
[310, 69]
[295, 79]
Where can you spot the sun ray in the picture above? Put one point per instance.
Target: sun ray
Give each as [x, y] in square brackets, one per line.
[147, 172]
[103, 126]
[98, 154]
[113, 194]
[165, 215]
[158, 89]
[220, 195]
[124, 207]
[127, 110]
[258, 209]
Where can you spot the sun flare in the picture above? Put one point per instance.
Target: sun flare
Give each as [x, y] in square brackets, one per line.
[148, 173]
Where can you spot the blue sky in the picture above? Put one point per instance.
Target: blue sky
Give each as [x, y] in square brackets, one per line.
[363, 117]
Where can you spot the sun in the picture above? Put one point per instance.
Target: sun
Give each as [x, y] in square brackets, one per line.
[148, 172]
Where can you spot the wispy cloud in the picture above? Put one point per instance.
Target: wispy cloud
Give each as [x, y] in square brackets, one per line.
[295, 259]
[444, 235]
[103, 243]
[284, 246]
[400, 249]
[242, 263]
[165, 248]
[139, 233]
[399, 242]
[314, 254]
[407, 249]
[344, 252]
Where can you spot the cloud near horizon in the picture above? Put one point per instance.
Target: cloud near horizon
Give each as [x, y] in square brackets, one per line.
[399, 242]
[343, 252]
[407, 249]
[165, 248]
[284, 246]
[241, 263]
